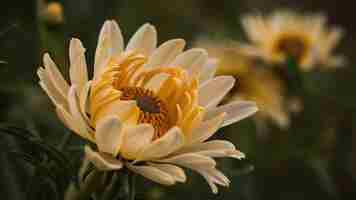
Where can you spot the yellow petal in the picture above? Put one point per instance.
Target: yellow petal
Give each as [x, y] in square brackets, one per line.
[122, 109]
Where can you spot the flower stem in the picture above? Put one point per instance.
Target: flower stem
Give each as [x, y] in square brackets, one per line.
[132, 189]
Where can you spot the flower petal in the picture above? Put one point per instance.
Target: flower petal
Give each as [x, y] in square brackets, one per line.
[55, 75]
[190, 160]
[235, 111]
[170, 142]
[110, 44]
[215, 149]
[214, 176]
[52, 92]
[78, 67]
[155, 83]
[208, 71]
[213, 91]
[75, 110]
[153, 174]
[83, 99]
[136, 138]
[102, 161]
[205, 130]
[109, 135]
[144, 40]
[122, 109]
[191, 60]
[166, 53]
[176, 172]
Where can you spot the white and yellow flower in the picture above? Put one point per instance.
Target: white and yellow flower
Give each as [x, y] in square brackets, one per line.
[148, 108]
[283, 34]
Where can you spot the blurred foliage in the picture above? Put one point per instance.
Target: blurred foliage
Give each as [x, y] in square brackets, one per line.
[51, 170]
[314, 159]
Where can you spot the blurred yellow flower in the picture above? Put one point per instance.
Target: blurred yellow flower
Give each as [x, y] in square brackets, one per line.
[53, 13]
[148, 108]
[253, 83]
[285, 34]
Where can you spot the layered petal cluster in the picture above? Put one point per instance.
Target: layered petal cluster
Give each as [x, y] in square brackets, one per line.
[148, 108]
[284, 34]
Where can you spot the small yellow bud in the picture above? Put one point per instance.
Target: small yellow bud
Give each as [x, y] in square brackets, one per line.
[53, 13]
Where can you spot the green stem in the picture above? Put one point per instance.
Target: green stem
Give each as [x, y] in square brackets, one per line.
[92, 183]
[132, 189]
[64, 141]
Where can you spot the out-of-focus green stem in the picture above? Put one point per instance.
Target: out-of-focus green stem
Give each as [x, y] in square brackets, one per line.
[91, 184]
[132, 183]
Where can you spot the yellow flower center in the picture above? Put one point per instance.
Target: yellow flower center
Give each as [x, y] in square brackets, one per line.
[294, 46]
[152, 109]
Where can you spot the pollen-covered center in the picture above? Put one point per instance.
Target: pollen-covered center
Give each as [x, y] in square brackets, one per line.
[292, 46]
[152, 109]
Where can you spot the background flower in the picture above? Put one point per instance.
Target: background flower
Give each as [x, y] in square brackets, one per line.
[253, 83]
[286, 34]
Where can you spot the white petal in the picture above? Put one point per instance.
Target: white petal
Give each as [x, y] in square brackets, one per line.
[83, 99]
[213, 91]
[71, 123]
[55, 75]
[153, 174]
[67, 120]
[205, 130]
[109, 135]
[166, 53]
[176, 172]
[190, 160]
[215, 176]
[214, 148]
[136, 138]
[78, 67]
[235, 111]
[209, 69]
[102, 161]
[75, 110]
[144, 40]
[110, 44]
[212, 185]
[52, 92]
[170, 142]
[191, 60]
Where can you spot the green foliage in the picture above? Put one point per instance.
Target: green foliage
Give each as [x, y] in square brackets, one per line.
[52, 171]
